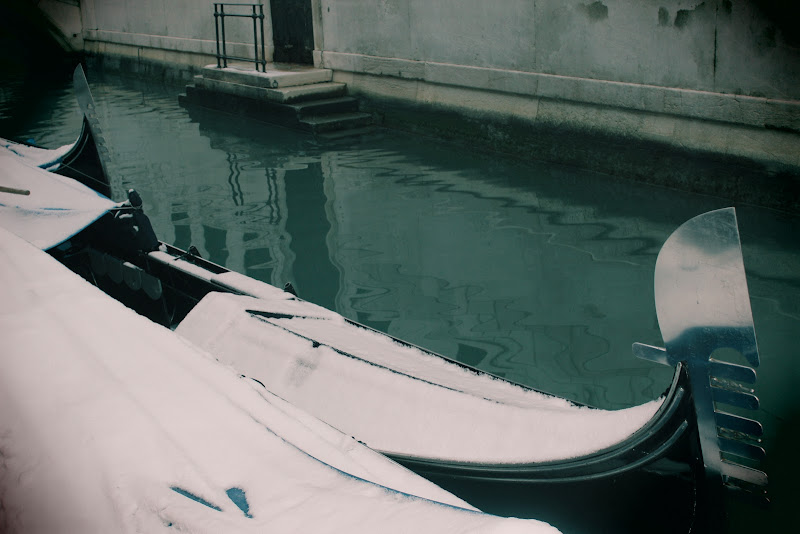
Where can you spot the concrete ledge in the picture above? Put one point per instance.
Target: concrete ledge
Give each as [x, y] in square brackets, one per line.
[736, 109]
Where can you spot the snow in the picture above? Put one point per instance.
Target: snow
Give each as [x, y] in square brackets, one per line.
[111, 423]
[394, 397]
[55, 208]
[45, 158]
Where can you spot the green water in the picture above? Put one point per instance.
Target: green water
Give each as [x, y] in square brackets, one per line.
[539, 273]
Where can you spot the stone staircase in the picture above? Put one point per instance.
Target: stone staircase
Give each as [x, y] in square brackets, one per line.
[295, 96]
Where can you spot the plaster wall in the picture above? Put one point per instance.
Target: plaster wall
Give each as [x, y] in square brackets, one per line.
[171, 31]
[65, 15]
[719, 60]
[715, 45]
[716, 60]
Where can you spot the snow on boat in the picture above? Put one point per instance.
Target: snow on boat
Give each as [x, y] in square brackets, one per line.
[49, 159]
[112, 423]
[44, 208]
[501, 446]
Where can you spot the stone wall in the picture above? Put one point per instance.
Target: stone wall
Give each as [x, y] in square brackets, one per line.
[719, 46]
[715, 60]
[65, 17]
[719, 60]
[174, 32]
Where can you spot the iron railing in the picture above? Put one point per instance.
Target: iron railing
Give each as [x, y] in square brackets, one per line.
[256, 12]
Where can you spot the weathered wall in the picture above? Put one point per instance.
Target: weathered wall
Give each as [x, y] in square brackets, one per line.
[716, 45]
[65, 15]
[681, 57]
[178, 32]
[650, 55]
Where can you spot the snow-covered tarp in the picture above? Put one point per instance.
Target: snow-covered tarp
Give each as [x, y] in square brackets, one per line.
[49, 159]
[44, 208]
[111, 423]
[394, 397]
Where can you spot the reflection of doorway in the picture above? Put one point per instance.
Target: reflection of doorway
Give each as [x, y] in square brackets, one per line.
[314, 274]
[292, 31]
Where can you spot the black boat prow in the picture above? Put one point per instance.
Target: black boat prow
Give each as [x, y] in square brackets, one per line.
[660, 457]
[87, 161]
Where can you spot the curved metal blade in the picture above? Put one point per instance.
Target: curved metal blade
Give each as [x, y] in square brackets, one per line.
[701, 293]
[703, 305]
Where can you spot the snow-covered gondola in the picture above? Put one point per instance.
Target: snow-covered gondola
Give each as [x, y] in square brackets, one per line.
[111, 423]
[501, 446]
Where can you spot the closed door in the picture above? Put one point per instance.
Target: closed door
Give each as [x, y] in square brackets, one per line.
[292, 31]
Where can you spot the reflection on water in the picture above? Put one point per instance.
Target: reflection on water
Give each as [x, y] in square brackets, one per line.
[539, 273]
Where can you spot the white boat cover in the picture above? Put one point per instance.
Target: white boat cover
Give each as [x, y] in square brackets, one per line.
[44, 208]
[48, 159]
[111, 423]
[394, 397]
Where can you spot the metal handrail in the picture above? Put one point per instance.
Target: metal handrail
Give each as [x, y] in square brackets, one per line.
[257, 14]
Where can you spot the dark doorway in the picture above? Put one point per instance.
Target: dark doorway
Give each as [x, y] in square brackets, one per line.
[292, 31]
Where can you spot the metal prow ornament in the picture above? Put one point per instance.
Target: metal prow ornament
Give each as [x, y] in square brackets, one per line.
[704, 313]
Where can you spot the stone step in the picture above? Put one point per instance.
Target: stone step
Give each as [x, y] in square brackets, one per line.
[281, 95]
[297, 96]
[271, 79]
[323, 125]
[259, 108]
[335, 121]
[305, 93]
[344, 104]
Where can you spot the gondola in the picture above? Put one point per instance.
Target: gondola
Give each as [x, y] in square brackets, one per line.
[129, 428]
[504, 448]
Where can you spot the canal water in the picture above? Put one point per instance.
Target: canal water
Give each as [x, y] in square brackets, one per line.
[539, 273]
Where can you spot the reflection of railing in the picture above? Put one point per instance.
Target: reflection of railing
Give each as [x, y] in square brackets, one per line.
[256, 12]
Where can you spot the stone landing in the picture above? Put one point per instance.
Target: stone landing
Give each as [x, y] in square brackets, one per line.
[296, 96]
